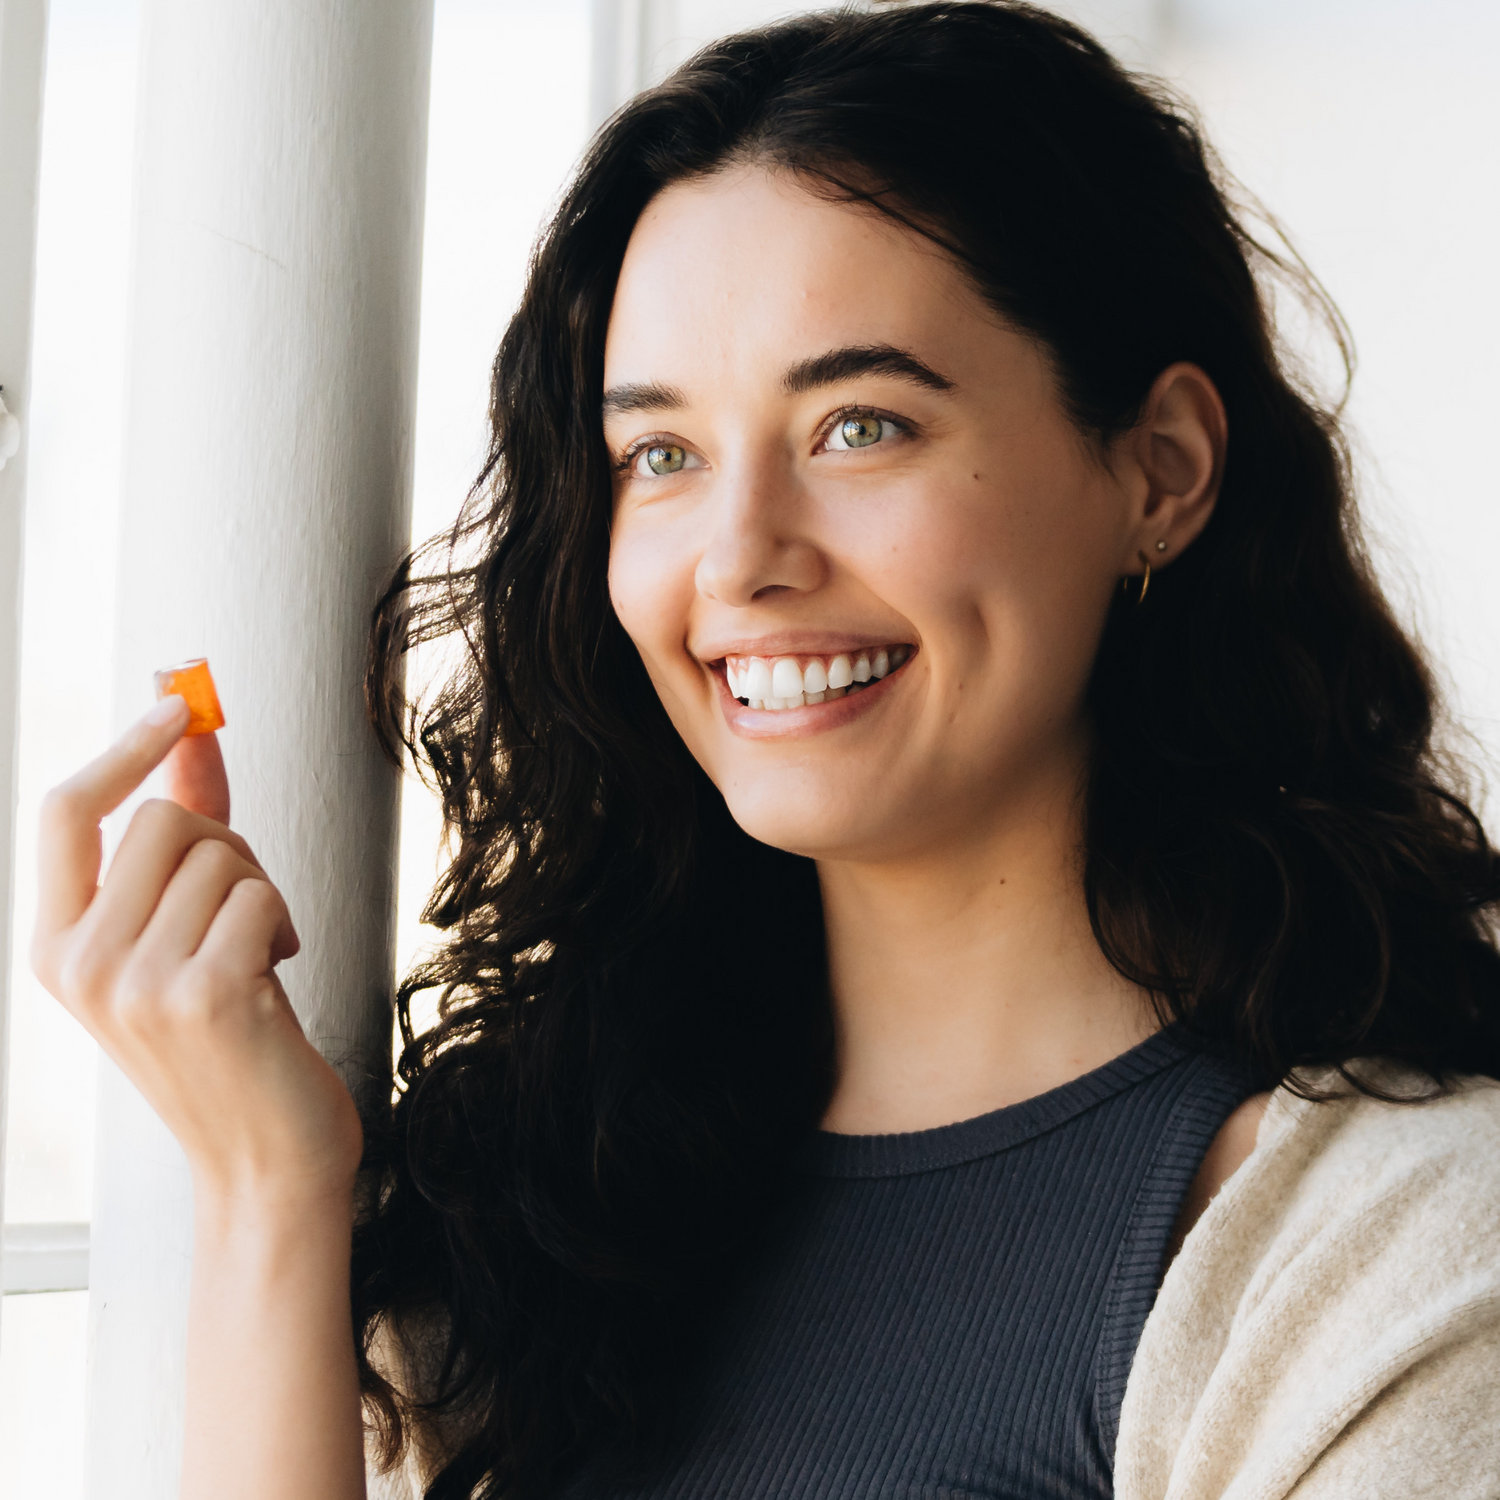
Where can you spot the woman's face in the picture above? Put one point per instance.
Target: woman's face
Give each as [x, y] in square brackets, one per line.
[834, 463]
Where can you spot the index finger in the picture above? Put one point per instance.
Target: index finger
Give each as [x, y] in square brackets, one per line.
[196, 778]
[71, 848]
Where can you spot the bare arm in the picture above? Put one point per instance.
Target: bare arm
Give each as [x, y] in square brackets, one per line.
[170, 964]
[273, 1394]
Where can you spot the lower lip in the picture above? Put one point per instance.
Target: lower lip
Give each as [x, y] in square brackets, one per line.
[811, 718]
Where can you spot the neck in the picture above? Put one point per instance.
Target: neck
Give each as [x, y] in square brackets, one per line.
[966, 977]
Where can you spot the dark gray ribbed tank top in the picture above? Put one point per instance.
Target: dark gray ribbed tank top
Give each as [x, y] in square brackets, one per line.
[952, 1313]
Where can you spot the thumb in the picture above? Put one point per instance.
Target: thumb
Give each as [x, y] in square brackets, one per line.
[196, 779]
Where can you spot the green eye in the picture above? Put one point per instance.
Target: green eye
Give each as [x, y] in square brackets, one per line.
[667, 458]
[860, 432]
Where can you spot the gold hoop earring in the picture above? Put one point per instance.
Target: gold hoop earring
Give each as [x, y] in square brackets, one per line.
[1146, 581]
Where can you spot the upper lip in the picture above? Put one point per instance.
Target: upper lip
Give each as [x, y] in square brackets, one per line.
[795, 643]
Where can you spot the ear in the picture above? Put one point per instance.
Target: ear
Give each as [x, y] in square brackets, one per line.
[1170, 465]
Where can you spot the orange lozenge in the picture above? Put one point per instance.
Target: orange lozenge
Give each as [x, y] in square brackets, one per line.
[193, 681]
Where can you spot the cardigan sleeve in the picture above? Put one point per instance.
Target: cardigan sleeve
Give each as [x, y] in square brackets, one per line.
[1331, 1326]
[1432, 1432]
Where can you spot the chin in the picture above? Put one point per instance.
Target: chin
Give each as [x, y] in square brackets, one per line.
[803, 821]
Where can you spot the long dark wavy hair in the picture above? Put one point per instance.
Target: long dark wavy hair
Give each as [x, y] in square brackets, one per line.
[605, 1107]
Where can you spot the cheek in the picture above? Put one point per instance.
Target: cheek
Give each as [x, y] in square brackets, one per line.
[1007, 581]
[651, 589]
[948, 549]
[635, 585]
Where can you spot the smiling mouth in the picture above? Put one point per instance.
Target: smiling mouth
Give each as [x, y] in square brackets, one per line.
[779, 682]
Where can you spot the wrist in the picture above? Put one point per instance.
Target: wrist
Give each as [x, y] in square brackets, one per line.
[271, 1249]
[272, 1208]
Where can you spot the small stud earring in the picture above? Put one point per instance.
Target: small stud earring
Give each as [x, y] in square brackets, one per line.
[1161, 546]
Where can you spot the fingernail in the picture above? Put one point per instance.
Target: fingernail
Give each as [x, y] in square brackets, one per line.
[165, 710]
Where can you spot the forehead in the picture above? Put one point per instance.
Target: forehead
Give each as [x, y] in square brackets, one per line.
[751, 264]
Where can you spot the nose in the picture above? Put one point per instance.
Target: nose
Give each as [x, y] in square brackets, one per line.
[758, 543]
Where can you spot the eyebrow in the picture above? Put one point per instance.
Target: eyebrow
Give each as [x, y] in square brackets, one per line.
[805, 375]
[861, 359]
[650, 397]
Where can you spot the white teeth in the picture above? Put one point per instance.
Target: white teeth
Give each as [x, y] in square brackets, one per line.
[782, 682]
[786, 678]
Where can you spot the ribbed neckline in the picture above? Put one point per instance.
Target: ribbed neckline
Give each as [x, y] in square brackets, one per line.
[909, 1152]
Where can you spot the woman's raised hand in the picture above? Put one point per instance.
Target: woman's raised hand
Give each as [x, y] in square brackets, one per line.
[170, 965]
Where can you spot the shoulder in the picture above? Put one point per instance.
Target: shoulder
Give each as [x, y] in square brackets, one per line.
[1456, 1130]
[1323, 1170]
[1348, 1269]
[1354, 1185]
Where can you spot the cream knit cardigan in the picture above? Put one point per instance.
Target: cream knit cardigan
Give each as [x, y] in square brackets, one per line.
[1331, 1326]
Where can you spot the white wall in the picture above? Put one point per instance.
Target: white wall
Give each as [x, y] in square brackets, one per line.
[1371, 128]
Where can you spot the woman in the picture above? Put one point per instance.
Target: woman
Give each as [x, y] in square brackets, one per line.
[964, 976]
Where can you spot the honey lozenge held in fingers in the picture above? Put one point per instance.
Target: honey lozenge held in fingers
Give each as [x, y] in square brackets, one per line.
[192, 681]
